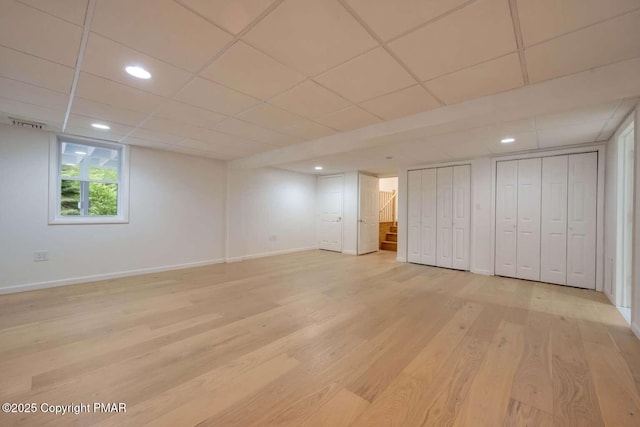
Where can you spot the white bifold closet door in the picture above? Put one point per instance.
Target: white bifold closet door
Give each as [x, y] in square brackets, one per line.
[461, 216]
[444, 217]
[428, 222]
[553, 250]
[581, 220]
[528, 224]
[546, 219]
[413, 215]
[506, 217]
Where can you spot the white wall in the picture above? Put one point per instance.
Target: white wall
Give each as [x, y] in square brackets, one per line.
[480, 214]
[611, 217]
[388, 184]
[270, 211]
[177, 217]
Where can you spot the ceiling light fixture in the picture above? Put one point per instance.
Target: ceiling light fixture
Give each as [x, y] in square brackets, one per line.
[81, 153]
[138, 72]
[508, 140]
[100, 126]
[318, 168]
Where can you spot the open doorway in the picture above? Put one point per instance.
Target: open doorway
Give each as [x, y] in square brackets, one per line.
[625, 221]
[388, 237]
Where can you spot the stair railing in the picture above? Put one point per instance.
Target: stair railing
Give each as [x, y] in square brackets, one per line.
[388, 209]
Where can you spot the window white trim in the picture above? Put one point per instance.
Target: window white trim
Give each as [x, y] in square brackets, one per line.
[54, 194]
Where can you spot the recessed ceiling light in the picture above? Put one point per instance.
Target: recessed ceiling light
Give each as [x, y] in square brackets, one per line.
[100, 126]
[318, 168]
[389, 157]
[138, 72]
[82, 153]
[508, 140]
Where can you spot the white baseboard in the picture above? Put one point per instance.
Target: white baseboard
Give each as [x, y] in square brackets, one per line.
[349, 252]
[481, 271]
[266, 254]
[401, 259]
[97, 277]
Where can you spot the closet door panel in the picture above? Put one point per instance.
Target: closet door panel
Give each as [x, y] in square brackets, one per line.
[581, 220]
[528, 251]
[428, 217]
[553, 249]
[444, 217]
[461, 216]
[506, 217]
[413, 216]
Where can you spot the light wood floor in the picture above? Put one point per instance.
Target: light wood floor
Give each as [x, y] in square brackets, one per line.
[320, 339]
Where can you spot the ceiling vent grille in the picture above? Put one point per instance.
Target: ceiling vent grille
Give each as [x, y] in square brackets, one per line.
[27, 124]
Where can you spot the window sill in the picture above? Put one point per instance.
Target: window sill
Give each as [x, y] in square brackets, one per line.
[84, 221]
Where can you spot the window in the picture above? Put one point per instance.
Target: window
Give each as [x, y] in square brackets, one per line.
[88, 181]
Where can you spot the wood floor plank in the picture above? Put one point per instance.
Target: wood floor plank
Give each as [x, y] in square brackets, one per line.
[320, 338]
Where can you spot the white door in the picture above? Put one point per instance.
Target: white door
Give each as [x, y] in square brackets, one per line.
[553, 243]
[368, 208]
[528, 226]
[444, 217]
[330, 205]
[506, 217]
[461, 216]
[428, 201]
[581, 220]
[413, 216]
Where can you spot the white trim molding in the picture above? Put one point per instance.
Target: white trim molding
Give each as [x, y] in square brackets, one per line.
[99, 277]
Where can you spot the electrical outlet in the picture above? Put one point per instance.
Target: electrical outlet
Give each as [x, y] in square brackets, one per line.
[40, 256]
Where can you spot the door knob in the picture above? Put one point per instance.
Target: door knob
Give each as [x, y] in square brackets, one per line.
[339, 219]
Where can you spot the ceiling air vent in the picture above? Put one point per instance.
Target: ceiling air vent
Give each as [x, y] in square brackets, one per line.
[26, 124]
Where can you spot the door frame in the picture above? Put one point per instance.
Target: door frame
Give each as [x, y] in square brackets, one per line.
[337, 175]
[584, 148]
[627, 127]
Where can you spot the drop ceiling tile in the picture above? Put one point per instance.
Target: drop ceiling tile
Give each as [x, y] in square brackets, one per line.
[108, 59]
[151, 135]
[497, 75]
[309, 99]
[81, 125]
[232, 15]
[594, 46]
[310, 35]
[35, 95]
[118, 95]
[162, 29]
[309, 130]
[37, 33]
[350, 118]
[252, 72]
[188, 114]
[404, 102]
[392, 18]
[69, 10]
[569, 135]
[250, 131]
[271, 117]
[22, 110]
[542, 20]
[176, 128]
[592, 114]
[212, 96]
[367, 76]
[109, 113]
[36, 71]
[473, 34]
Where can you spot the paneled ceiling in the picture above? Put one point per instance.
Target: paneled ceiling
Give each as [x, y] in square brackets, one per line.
[232, 79]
